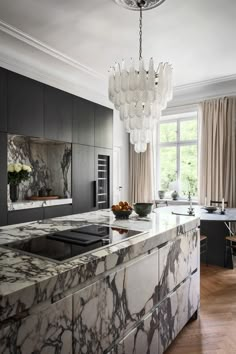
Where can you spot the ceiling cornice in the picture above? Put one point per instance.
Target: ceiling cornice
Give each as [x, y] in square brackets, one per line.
[24, 37]
[204, 83]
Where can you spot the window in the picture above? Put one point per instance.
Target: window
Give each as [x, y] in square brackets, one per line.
[178, 155]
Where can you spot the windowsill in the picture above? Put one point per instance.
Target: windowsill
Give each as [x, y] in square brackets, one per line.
[176, 202]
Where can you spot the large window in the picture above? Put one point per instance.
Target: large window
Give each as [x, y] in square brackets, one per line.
[178, 155]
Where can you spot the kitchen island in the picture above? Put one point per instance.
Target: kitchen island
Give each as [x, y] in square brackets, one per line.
[131, 296]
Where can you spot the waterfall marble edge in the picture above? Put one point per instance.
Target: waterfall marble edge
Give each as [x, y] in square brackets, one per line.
[27, 280]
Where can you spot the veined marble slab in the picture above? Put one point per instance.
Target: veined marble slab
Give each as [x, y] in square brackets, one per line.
[28, 280]
[29, 204]
[48, 331]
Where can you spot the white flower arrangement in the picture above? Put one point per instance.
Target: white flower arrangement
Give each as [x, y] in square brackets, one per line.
[18, 172]
[17, 167]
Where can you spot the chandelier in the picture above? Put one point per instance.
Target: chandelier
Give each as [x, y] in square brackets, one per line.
[139, 94]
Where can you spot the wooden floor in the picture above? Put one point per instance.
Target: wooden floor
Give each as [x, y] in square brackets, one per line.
[215, 329]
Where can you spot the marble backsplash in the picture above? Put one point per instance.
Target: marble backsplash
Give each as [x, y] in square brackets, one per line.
[50, 162]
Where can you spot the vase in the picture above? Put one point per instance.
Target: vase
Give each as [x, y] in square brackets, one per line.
[161, 194]
[14, 192]
[174, 195]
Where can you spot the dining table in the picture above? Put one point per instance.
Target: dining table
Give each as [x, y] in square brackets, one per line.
[216, 226]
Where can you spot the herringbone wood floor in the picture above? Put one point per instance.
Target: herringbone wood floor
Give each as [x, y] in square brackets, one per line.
[215, 329]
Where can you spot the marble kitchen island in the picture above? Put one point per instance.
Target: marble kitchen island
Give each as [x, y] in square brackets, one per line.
[130, 297]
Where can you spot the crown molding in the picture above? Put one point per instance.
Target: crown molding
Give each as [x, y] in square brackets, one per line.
[24, 37]
[21, 57]
[189, 95]
[204, 83]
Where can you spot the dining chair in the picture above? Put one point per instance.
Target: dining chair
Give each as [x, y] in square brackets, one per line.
[218, 203]
[230, 244]
[204, 247]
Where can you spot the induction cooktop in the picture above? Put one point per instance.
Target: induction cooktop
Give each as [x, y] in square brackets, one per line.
[64, 245]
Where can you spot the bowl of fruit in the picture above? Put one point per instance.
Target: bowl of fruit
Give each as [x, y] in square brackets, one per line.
[122, 210]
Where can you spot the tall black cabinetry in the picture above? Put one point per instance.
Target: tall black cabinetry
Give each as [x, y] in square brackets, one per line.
[3, 100]
[3, 178]
[91, 177]
[91, 156]
[103, 127]
[3, 147]
[83, 122]
[25, 99]
[30, 108]
[58, 114]
[83, 179]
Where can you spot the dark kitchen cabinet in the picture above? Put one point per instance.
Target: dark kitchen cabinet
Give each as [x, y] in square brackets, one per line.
[20, 216]
[58, 210]
[103, 127]
[3, 179]
[83, 179]
[3, 100]
[83, 121]
[104, 177]
[58, 110]
[24, 106]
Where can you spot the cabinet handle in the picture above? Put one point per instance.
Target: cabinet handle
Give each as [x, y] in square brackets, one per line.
[94, 194]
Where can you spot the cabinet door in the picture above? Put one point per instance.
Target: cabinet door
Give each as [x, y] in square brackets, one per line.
[104, 177]
[24, 106]
[177, 309]
[83, 179]
[56, 211]
[143, 339]
[48, 331]
[3, 179]
[58, 115]
[103, 127]
[19, 216]
[3, 100]
[109, 308]
[83, 121]
[173, 264]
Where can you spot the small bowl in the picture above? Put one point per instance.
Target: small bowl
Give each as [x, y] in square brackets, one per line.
[143, 209]
[122, 214]
[210, 209]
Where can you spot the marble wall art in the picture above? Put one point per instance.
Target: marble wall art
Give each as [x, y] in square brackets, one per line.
[50, 162]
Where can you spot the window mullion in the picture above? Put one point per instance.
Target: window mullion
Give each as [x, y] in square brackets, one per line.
[178, 153]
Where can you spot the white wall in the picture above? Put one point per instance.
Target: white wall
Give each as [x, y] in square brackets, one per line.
[121, 141]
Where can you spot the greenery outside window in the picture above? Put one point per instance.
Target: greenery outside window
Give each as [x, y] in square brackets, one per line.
[178, 155]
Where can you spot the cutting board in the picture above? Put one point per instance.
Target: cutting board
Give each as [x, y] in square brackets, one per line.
[51, 197]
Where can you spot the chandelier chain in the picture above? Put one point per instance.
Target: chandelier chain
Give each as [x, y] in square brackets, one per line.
[140, 30]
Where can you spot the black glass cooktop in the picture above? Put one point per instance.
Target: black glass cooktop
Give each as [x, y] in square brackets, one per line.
[64, 245]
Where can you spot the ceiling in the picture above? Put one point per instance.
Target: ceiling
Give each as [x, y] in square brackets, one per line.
[196, 36]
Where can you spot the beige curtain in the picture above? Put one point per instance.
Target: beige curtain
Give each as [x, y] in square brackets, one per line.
[140, 175]
[217, 150]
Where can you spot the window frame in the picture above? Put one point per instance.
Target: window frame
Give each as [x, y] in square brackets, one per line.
[178, 144]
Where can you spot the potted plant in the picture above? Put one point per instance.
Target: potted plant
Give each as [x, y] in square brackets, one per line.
[16, 174]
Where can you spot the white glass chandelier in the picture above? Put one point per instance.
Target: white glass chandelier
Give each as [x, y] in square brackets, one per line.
[140, 95]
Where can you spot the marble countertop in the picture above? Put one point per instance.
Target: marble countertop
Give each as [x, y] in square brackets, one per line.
[29, 204]
[28, 280]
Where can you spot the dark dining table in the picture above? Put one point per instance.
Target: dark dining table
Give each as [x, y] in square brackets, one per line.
[216, 227]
